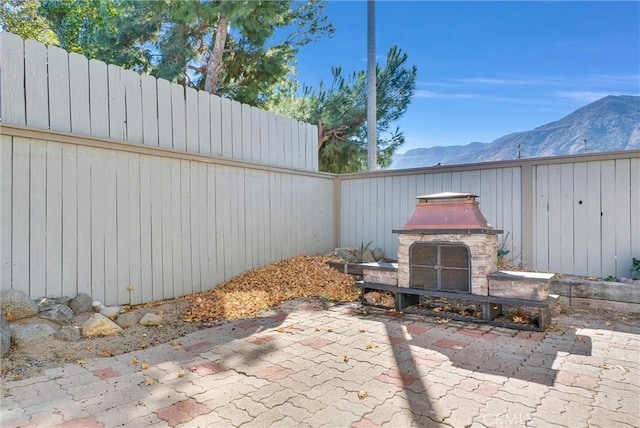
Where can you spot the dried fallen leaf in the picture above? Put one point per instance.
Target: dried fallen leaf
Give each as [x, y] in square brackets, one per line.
[106, 352]
[149, 381]
[133, 361]
[280, 330]
[369, 346]
[345, 358]
[144, 365]
[362, 330]
[604, 366]
[268, 286]
[83, 362]
[181, 373]
[317, 329]
[363, 394]
[8, 316]
[330, 330]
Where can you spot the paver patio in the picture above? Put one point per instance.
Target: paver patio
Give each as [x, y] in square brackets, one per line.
[343, 366]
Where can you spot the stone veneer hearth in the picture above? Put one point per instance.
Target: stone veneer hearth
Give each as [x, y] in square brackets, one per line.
[483, 248]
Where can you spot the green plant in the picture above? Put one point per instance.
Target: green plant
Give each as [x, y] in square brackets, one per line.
[610, 278]
[364, 247]
[635, 268]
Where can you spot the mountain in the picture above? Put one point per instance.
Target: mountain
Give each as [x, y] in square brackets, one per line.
[609, 124]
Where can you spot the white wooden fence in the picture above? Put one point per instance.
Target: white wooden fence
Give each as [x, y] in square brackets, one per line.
[575, 214]
[45, 87]
[86, 215]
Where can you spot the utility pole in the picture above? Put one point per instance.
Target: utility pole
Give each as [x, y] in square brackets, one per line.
[372, 138]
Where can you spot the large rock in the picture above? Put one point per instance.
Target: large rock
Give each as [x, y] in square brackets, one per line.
[18, 304]
[151, 319]
[47, 303]
[128, 319]
[111, 312]
[60, 314]
[99, 325]
[25, 333]
[5, 335]
[68, 333]
[81, 303]
[378, 253]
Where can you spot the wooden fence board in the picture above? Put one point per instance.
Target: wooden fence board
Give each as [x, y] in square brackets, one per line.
[256, 135]
[99, 97]
[245, 123]
[580, 195]
[176, 227]
[12, 79]
[204, 123]
[623, 189]
[608, 209]
[59, 91]
[38, 214]
[566, 218]
[196, 213]
[133, 103]
[6, 208]
[223, 222]
[98, 202]
[21, 207]
[226, 127]
[635, 209]
[143, 291]
[216, 125]
[35, 68]
[165, 115]
[185, 217]
[178, 117]
[149, 93]
[117, 103]
[110, 227]
[79, 94]
[85, 218]
[53, 223]
[212, 226]
[192, 117]
[594, 219]
[236, 130]
[162, 253]
[122, 224]
[134, 296]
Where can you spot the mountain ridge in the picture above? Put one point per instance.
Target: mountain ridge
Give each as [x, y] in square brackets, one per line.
[609, 124]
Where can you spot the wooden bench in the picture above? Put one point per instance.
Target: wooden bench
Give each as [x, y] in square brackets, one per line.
[406, 297]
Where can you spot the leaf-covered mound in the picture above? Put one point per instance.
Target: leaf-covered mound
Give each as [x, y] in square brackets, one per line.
[254, 291]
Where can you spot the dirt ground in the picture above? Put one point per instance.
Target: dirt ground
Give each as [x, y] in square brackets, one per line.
[32, 360]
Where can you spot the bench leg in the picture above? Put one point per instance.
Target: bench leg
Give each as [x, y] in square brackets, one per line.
[405, 300]
[491, 310]
[544, 319]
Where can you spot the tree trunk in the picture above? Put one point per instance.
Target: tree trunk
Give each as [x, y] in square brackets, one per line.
[215, 63]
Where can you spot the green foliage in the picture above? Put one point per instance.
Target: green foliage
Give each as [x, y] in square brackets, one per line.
[364, 247]
[610, 278]
[635, 268]
[173, 39]
[21, 17]
[340, 110]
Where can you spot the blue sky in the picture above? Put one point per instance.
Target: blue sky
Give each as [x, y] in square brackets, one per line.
[487, 69]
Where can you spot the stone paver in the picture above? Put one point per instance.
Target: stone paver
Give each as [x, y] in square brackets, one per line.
[340, 367]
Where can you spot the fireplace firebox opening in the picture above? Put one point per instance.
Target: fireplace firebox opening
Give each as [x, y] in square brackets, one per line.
[440, 266]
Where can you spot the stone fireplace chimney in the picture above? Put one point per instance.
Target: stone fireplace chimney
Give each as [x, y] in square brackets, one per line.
[447, 245]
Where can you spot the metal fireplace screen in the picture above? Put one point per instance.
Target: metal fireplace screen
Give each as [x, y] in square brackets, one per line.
[440, 266]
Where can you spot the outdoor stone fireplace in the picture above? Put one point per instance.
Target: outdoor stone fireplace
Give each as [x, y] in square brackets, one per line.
[447, 245]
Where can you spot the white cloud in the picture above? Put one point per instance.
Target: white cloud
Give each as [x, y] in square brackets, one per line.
[581, 96]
